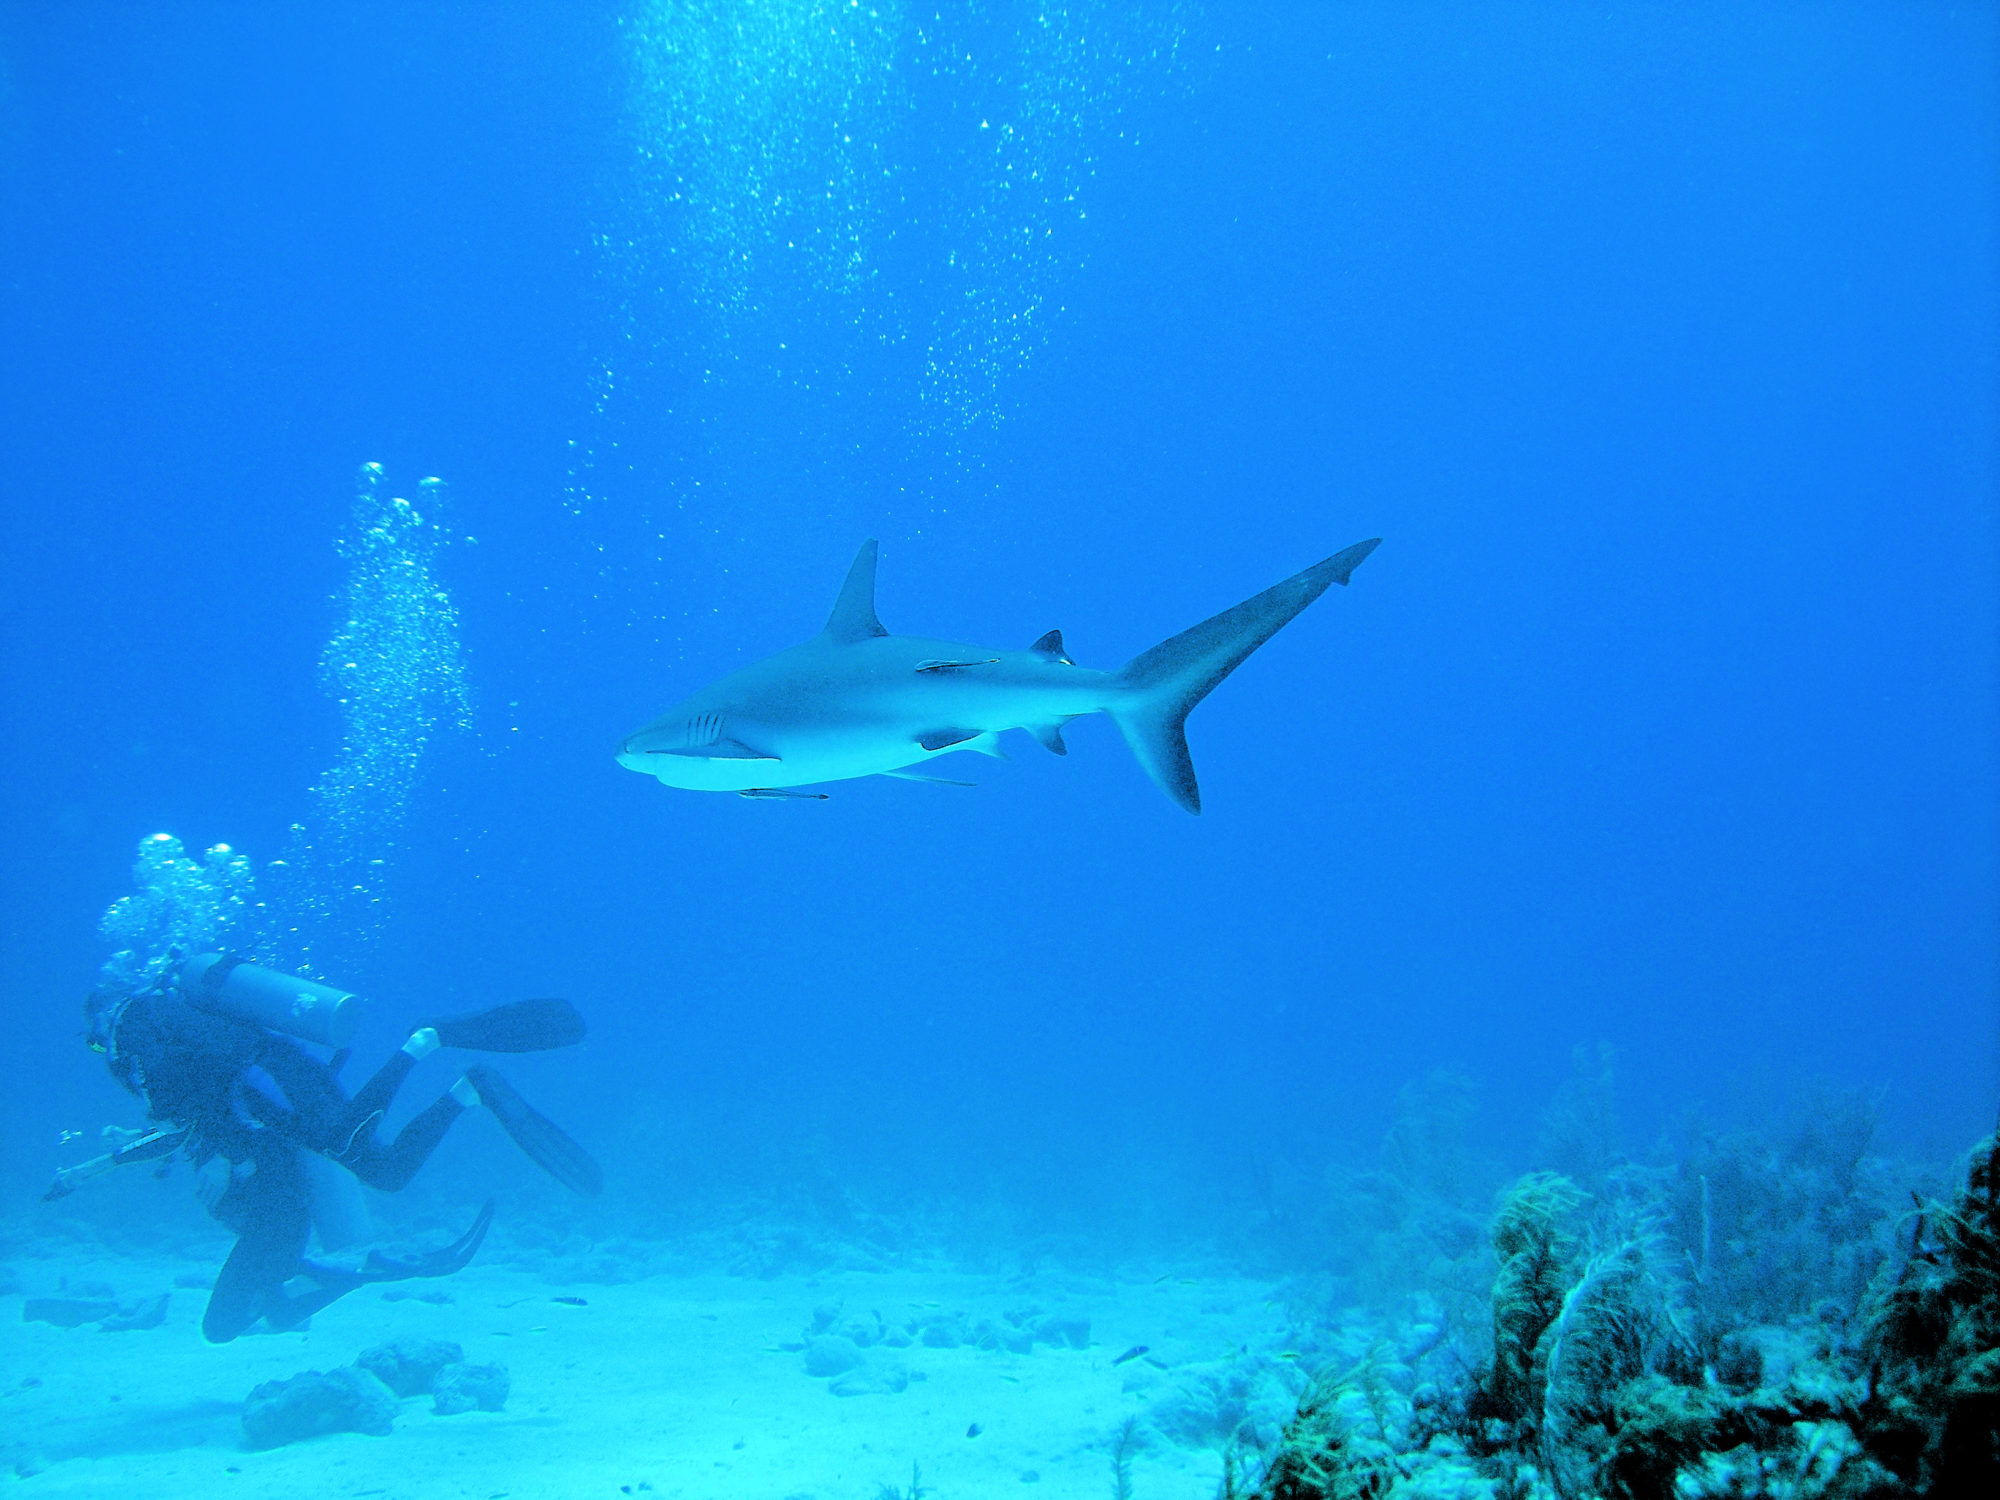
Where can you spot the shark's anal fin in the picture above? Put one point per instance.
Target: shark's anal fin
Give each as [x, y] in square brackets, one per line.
[928, 780]
[722, 749]
[1050, 736]
[853, 618]
[943, 739]
[1050, 648]
[943, 664]
[780, 794]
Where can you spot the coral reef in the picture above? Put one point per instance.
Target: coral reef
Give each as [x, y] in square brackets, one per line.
[1752, 1321]
[1769, 1230]
[1933, 1343]
[1240, 1401]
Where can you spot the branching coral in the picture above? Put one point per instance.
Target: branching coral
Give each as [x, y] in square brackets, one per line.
[1343, 1442]
[1770, 1230]
[1415, 1223]
[1580, 1126]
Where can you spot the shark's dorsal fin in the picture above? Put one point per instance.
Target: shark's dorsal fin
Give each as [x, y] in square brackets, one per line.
[853, 617]
[1050, 648]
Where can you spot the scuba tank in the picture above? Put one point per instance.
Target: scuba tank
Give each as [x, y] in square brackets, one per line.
[303, 1008]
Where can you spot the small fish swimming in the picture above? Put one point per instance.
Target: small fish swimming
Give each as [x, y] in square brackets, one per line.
[1133, 1353]
[857, 701]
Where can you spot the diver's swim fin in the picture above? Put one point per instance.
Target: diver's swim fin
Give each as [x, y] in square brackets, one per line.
[545, 1142]
[442, 1262]
[519, 1026]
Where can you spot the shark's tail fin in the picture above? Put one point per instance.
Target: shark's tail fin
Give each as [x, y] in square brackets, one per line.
[1161, 686]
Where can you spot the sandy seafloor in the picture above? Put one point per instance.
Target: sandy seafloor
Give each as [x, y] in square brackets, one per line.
[672, 1385]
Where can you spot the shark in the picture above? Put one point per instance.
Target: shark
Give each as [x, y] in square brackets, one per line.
[855, 700]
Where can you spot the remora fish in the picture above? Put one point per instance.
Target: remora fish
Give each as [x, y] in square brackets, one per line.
[857, 701]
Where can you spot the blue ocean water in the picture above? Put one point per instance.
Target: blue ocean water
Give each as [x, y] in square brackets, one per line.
[1657, 342]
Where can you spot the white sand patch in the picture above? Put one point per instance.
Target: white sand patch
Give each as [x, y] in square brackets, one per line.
[670, 1387]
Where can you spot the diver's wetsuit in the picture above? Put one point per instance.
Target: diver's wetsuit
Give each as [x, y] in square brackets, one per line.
[256, 1098]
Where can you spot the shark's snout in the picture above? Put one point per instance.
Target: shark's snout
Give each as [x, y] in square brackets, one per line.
[645, 750]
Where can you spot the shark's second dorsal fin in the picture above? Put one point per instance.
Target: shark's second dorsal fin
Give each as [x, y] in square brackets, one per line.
[853, 617]
[1050, 648]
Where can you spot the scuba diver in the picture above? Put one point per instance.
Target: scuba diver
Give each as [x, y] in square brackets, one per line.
[210, 1049]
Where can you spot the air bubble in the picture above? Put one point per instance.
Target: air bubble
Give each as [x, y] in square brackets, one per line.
[395, 669]
[181, 906]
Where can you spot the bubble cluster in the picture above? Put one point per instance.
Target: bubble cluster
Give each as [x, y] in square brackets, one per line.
[181, 905]
[851, 195]
[759, 132]
[395, 668]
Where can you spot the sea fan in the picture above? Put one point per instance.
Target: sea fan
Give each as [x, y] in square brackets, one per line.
[1597, 1344]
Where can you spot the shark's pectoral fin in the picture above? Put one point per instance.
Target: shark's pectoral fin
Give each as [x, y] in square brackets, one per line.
[780, 794]
[722, 749]
[928, 780]
[944, 739]
[985, 741]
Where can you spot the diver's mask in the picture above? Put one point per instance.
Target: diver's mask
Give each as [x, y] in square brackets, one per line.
[103, 1009]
